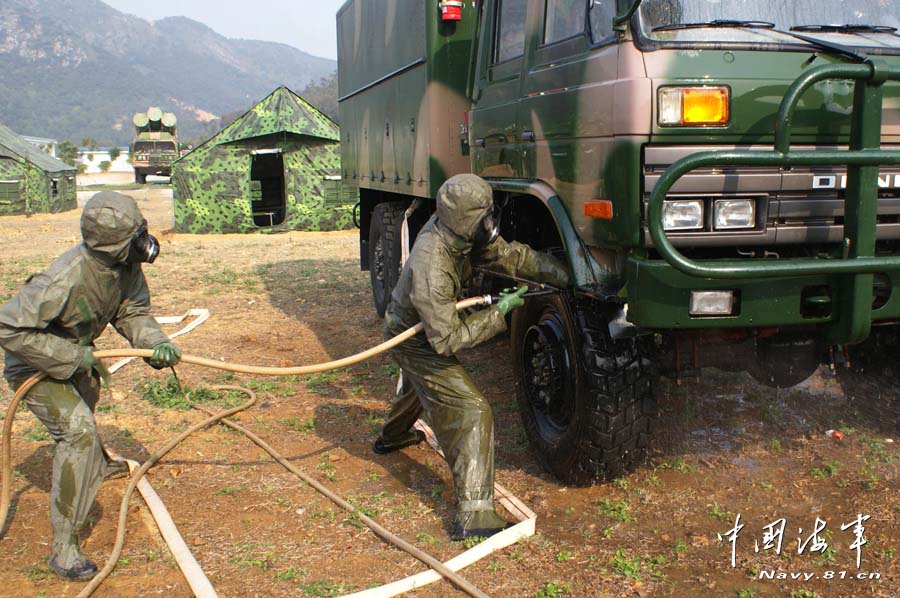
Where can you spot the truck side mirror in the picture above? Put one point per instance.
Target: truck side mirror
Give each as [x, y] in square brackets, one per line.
[656, 11]
[620, 20]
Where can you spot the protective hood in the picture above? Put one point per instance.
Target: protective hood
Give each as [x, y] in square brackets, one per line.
[462, 203]
[108, 225]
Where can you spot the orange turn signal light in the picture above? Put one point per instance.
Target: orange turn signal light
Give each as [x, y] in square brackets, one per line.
[599, 208]
[705, 106]
[694, 106]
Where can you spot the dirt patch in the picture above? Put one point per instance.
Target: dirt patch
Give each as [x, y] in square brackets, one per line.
[724, 446]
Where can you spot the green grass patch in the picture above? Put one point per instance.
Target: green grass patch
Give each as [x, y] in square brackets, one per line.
[326, 467]
[264, 561]
[325, 589]
[628, 567]
[36, 572]
[375, 422]
[229, 490]
[473, 541]
[716, 511]
[297, 425]
[554, 589]
[614, 509]
[291, 574]
[321, 384]
[437, 491]
[262, 385]
[828, 470]
[679, 465]
[168, 394]
[37, 433]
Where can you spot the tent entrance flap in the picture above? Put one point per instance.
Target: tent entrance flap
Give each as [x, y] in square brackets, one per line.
[11, 197]
[267, 188]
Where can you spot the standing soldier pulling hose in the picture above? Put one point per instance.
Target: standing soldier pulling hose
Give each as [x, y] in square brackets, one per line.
[50, 327]
[463, 233]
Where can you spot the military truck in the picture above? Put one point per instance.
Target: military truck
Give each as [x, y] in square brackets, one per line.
[155, 144]
[723, 179]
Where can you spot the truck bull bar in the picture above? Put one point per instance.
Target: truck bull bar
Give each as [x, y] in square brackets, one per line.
[858, 264]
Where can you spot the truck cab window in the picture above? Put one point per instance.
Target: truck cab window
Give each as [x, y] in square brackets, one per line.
[563, 19]
[602, 14]
[509, 42]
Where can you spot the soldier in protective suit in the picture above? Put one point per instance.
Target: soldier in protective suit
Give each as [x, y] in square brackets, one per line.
[462, 233]
[50, 327]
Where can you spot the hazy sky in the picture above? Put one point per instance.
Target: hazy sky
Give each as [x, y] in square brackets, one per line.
[305, 24]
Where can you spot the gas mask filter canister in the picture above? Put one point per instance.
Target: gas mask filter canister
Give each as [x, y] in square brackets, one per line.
[144, 246]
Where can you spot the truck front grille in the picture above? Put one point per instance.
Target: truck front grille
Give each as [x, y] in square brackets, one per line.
[798, 205]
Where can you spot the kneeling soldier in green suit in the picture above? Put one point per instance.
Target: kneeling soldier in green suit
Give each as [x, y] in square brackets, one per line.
[462, 234]
[50, 327]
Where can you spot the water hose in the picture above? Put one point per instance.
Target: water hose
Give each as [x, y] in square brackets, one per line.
[193, 573]
[139, 474]
[6, 441]
[373, 525]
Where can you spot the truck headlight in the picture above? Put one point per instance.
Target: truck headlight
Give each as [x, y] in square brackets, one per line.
[735, 213]
[683, 215]
[693, 106]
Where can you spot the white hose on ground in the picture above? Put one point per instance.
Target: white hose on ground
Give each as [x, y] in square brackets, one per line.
[184, 558]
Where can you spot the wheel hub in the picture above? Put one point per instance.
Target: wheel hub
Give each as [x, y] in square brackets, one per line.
[548, 372]
[378, 266]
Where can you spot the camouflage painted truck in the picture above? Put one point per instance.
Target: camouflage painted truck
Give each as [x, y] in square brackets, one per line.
[155, 144]
[723, 178]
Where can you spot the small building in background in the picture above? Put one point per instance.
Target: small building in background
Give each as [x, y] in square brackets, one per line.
[273, 169]
[31, 180]
[93, 159]
[43, 143]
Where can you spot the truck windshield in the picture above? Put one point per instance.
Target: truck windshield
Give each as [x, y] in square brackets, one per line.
[860, 23]
[154, 146]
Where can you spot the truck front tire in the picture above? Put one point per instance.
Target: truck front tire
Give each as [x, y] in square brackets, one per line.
[586, 400]
[384, 252]
[140, 177]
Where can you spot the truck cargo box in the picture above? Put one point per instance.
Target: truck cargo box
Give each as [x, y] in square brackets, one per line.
[402, 77]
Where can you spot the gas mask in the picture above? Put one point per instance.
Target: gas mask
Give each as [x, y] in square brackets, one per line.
[488, 229]
[144, 246]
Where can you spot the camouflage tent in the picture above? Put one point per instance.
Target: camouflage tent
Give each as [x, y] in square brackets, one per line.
[31, 181]
[272, 169]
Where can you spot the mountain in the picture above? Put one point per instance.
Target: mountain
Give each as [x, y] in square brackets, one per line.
[75, 69]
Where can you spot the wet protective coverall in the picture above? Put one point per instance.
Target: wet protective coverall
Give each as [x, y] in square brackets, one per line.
[434, 381]
[49, 326]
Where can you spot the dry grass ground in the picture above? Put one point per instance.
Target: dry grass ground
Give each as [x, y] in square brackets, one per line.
[724, 446]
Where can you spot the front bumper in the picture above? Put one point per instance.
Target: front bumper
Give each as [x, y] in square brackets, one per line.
[659, 297]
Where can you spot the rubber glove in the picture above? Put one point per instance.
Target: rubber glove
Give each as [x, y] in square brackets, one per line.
[510, 300]
[91, 363]
[165, 355]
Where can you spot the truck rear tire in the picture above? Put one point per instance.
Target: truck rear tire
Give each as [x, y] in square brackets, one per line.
[586, 400]
[384, 252]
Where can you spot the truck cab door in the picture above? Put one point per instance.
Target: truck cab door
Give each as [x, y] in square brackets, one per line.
[494, 121]
[566, 110]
